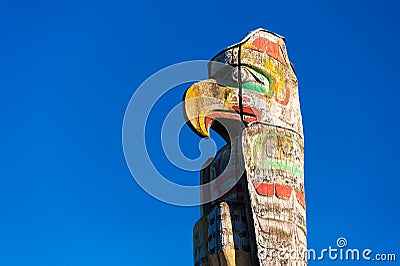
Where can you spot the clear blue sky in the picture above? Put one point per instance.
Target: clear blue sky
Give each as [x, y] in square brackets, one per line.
[69, 68]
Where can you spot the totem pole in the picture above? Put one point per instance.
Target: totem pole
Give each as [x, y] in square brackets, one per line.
[253, 211]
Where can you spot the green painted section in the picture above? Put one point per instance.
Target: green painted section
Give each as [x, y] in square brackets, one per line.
[281, 165]
[269, 163]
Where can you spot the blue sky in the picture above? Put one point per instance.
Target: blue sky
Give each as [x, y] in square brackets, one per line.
[69, 68]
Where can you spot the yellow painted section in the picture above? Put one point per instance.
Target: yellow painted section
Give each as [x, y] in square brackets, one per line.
[194, 112]
[202, 99]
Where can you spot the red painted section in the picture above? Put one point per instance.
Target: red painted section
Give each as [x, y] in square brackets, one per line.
[265, 189]
[283, 192]
[260, 44]
[250, 119]
[274, 51]
[300, 197]
[250, 115]
[248, 111]
[272, 48]
[227, 115]
[208, 121]
[245, 99]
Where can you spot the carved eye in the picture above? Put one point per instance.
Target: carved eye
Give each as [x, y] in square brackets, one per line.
[259, 77]
[251, 79]
[245, 75]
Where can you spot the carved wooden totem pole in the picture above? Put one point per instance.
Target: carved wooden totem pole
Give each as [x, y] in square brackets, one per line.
[253, 210]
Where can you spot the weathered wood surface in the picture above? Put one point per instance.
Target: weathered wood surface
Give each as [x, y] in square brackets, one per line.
[274, 170]
[261, 220]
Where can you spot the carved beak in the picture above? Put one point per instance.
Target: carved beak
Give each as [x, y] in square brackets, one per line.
[206, 102]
